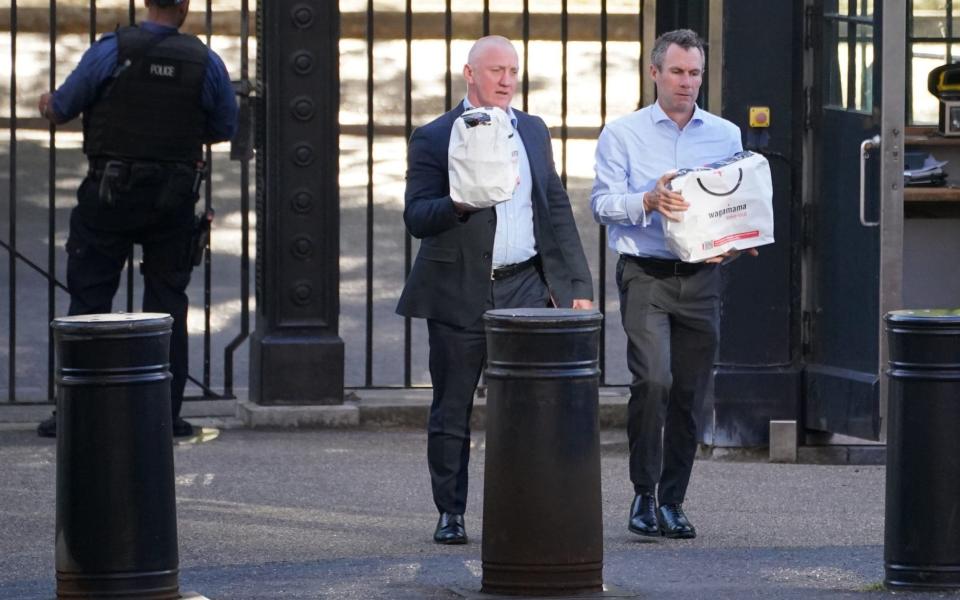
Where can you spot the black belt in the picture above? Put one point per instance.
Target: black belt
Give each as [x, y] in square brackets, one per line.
[96, 166]
[511, 270]
[664, 267]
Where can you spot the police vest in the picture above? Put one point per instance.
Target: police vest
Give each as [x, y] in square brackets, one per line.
[150, 108]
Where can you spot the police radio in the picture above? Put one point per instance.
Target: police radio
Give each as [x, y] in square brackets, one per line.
[944, 83]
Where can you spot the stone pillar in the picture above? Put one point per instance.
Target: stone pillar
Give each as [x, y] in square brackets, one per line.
[296, 355]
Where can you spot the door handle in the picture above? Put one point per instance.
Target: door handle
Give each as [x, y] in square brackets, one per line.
[865, 147]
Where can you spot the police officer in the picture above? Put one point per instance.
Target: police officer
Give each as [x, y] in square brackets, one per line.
[151, 97]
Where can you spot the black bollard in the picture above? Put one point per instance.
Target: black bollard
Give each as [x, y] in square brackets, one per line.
[116, 512]
[922, 533]
[542, 519]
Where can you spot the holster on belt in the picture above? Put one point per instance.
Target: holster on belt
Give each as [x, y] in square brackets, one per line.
[167, 185]
[113, 178]
[201, 236]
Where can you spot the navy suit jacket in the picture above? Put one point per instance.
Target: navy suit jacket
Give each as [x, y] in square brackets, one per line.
[450, 279]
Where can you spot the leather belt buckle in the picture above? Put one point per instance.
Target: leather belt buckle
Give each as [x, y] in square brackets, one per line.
[504, 271]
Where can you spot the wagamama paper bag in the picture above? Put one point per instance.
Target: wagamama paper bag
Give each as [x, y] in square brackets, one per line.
[731, 208]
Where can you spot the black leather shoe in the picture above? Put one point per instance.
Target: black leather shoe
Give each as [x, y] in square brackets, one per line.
[450, 529]
[674, 524]
[643, 515]
[48, 427]
[181, 428]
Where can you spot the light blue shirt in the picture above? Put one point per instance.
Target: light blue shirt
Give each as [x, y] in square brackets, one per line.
[633, 152]
[514, 241]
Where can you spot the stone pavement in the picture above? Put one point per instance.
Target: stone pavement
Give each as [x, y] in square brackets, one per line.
[347, 514]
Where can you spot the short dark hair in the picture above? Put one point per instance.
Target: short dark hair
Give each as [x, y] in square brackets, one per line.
[166, 3]
[685, 38]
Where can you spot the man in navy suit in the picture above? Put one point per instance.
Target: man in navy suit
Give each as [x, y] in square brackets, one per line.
[522, 253]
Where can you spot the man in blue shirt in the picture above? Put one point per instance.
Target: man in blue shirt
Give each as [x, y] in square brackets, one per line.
[150, 98]
[670, 309]
[521, 253]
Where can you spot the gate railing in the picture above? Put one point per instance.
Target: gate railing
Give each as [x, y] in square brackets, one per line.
[581, 64]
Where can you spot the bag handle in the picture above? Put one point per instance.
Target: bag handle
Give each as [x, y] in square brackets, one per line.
[739, 181]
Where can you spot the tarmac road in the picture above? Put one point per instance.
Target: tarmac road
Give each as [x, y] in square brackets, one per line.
[348, 515]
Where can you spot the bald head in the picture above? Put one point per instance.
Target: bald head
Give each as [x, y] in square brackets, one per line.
[481, 46]
[491, 72]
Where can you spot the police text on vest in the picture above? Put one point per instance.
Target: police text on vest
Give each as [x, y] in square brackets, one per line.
[163, 70]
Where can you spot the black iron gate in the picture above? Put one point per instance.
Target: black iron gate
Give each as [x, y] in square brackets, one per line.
[581, 65]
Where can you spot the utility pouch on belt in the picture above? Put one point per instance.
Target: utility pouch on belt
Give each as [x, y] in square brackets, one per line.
[114, 177]
[182, 185]
[201, 236]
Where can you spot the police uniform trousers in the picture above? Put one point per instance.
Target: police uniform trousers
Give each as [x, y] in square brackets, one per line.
[671, 322]
[100, 242]
[457, 358]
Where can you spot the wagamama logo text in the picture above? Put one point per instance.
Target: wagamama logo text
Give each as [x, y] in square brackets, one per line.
[727, 211]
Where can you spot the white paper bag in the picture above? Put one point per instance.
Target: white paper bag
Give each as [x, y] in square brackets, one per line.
[731, 208]
[483, 160]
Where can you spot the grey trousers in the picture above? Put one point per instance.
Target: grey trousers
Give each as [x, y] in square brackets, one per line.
[671, 324]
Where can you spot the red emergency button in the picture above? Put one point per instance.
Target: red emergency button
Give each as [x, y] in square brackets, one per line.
[759, 116]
